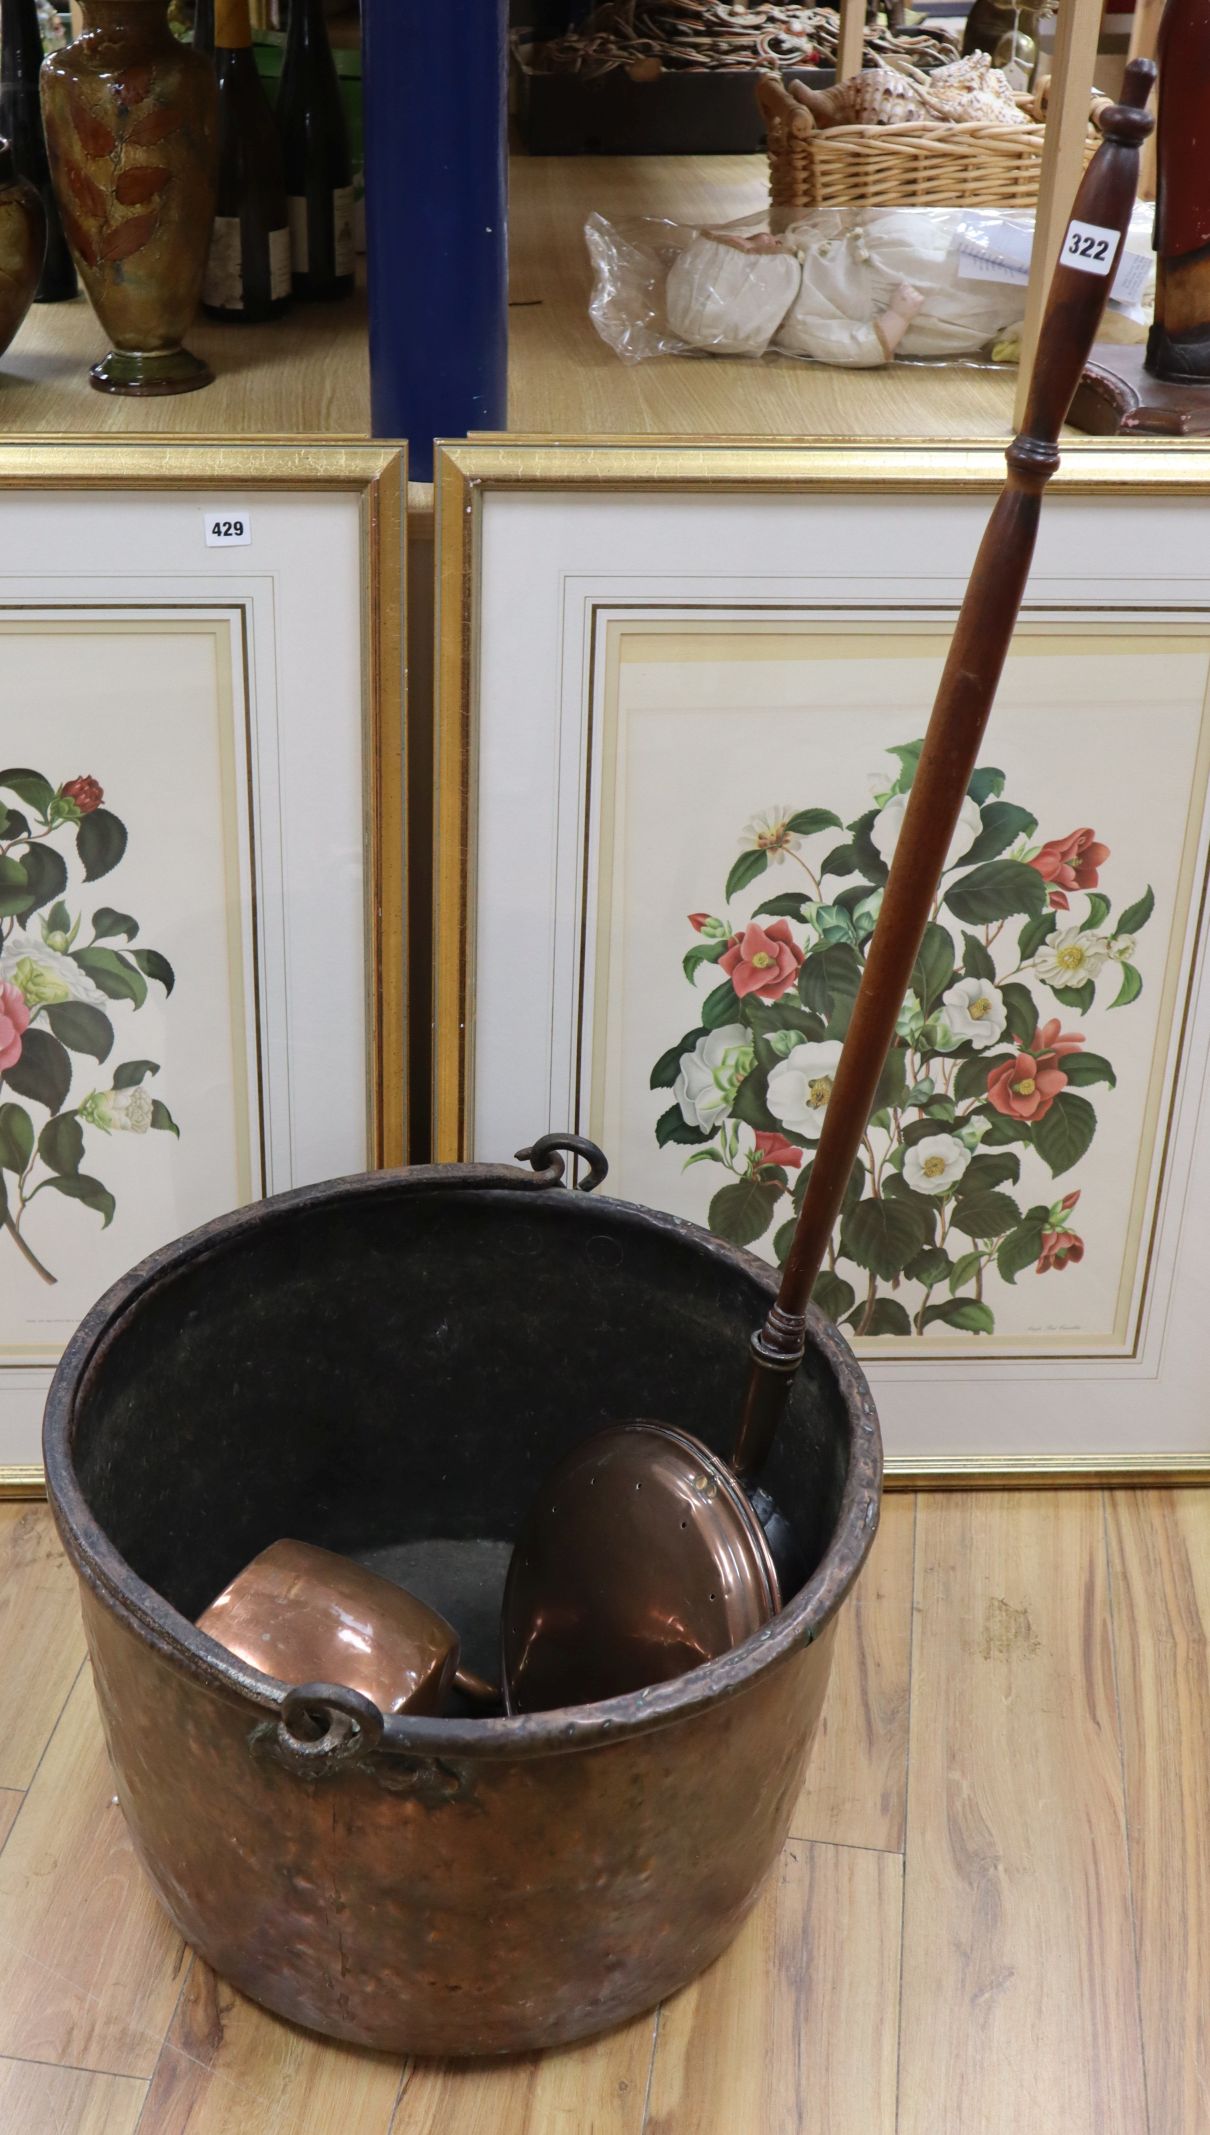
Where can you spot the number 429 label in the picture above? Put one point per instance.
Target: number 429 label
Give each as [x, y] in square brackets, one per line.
[1089, 247]
[228, 530]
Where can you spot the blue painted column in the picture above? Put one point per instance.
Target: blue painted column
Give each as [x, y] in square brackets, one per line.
[436, 137]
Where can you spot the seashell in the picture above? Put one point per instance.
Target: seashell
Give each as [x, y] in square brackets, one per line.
[876, 97]
[969, 91]
[886, 99]
[730, 298]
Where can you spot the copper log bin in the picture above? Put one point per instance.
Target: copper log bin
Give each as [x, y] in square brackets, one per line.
[387, 1366]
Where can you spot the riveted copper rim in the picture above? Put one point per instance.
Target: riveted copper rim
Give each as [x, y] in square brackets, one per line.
[113, 1581]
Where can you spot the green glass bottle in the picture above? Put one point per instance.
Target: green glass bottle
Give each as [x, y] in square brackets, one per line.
[248, 271]
[319, 166]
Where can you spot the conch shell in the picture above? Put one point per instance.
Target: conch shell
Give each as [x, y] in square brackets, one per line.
[969, 91]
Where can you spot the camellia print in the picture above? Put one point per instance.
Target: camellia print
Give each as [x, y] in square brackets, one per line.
[989, 1061]
[64, 989]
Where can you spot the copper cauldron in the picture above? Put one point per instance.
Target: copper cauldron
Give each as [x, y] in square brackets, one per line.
[387, 1366]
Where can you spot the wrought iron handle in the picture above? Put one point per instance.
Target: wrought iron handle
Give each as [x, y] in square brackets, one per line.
[544, 1156]
[320, 1728]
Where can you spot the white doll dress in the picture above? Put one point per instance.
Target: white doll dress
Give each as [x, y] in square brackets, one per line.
[729, 301]
[850, 277]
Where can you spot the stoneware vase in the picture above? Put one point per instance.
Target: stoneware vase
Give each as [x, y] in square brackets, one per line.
[22, 245]
[132, 130]
[21, 57]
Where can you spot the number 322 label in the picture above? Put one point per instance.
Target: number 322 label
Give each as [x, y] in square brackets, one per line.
[1089, 247]
[228, 530]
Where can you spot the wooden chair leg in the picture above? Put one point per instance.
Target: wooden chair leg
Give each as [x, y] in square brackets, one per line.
[852, 31]
[1144, 37]
[1078, 32]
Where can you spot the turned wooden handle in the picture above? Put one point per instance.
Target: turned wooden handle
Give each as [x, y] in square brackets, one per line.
[964, 700]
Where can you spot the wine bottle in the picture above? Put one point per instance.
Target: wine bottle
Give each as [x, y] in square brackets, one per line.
[319, 167]
[248, 271]
[203, 25]
[21, 126]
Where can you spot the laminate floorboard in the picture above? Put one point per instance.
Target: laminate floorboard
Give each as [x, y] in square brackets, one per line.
[788, 2032]
[40, 2100]
[597, 2088]
[228, 2066]
[10, 1801]
[992, 1916]
[1159, 1555]
[1019, 2013]
[855, 1790]
[41, 1644]
[90, 1967]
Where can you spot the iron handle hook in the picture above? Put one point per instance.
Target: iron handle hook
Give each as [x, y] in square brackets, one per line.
[320, 1728]
[544, 1156]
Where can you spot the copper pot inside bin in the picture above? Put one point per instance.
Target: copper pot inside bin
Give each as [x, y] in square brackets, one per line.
[387, 1367]
[303, 1614]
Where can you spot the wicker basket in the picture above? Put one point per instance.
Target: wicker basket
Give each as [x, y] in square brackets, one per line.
[930, 164]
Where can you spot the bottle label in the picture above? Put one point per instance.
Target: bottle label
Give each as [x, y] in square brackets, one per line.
[300, 250]
[345, 208]
[279, 264]
[223, 287]
[344, 222]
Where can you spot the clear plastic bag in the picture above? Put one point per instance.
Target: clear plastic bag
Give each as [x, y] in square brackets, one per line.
[855, 287]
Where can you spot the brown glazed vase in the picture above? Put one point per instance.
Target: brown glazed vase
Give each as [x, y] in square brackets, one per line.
[22, 245]
[132, 130]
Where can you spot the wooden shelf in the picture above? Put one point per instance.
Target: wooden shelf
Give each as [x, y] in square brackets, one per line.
[309, 374]
[306, 375]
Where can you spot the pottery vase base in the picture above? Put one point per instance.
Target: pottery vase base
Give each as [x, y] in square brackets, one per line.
[144, 375]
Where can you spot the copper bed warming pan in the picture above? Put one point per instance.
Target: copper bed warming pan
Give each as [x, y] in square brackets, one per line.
[348, 1364]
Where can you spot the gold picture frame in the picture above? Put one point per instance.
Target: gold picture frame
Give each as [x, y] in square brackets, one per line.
[375, 476]
[467, 475]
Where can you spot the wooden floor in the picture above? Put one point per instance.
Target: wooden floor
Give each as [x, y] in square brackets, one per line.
[992, 1918]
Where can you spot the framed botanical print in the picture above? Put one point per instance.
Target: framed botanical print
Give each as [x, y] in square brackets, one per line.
[201, 856]
[682, 696]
